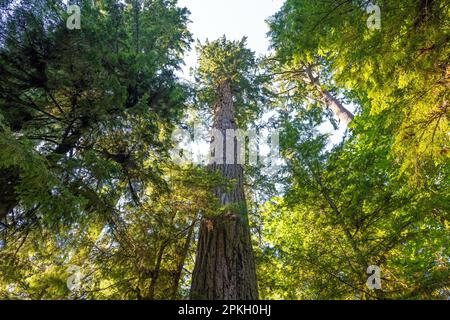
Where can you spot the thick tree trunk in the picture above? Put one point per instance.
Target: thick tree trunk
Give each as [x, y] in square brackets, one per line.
[224, 267]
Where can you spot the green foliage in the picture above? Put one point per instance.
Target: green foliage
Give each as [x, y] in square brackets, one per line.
[346, 209]
[86, 119]
[86, 181]
[381, 196]
[223, 60]
[399, 74]
[228, 61]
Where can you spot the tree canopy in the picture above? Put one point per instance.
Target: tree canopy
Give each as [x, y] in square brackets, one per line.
[92, 206]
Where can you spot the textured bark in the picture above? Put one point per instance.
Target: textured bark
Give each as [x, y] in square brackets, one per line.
[224, 267]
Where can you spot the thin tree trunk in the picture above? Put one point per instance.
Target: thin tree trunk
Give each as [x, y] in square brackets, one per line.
[136, 11]
[363, 264]
[9, 178]
[224, 267]
[181, 262]
[155, 274]
[338, 109]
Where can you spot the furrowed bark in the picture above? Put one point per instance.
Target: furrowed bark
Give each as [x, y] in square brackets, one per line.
[224, 267]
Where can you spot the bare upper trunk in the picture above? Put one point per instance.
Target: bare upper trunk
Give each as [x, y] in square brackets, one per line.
[338, 109]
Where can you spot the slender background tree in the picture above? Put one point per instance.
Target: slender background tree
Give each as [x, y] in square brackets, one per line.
[224, 266]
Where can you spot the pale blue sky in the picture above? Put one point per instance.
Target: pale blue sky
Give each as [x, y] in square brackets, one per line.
[210, 19]
[235, 18]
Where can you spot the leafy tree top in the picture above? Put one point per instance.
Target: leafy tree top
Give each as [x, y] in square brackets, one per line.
[224, 60]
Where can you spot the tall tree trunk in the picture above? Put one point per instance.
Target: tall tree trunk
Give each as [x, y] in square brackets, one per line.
[136, 11]
[338, 109]
[155, 272]
[224, 267]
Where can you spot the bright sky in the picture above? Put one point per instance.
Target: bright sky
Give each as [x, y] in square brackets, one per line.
[210, 19]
